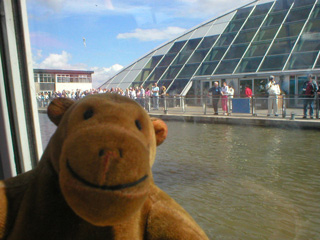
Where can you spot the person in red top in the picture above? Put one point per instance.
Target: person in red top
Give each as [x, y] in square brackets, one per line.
[248, 92]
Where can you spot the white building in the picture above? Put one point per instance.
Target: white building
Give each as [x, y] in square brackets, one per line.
[48, 80]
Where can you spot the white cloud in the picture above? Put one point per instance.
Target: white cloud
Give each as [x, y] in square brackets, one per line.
[153, 34]
[102, 74]
[61, 61]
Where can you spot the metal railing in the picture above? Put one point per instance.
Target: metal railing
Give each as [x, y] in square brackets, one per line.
[290, 106]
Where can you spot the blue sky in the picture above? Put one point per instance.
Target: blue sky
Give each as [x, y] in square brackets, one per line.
[116, 33]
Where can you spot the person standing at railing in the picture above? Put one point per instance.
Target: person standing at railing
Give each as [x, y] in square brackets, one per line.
[309, 90]
[224, 98]
[216, 93]
[230, 97]
[273, 90]
[155, 96]
[248, 92]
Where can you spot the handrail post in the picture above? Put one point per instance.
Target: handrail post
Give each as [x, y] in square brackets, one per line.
[165, 105]
[149, 104]
[253, 107]
[317, 106]
[204, 104]
[182, 104]
[284, 110]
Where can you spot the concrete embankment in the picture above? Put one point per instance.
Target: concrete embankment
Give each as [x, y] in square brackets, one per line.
[246, 121]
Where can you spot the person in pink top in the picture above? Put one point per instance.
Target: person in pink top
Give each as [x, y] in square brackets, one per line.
[224, 98]
[248, 92]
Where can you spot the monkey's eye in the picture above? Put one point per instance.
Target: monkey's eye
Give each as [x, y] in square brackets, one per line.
[138, 124]
[88, 114]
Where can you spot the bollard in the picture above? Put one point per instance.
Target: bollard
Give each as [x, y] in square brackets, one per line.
[293, 116]
[205, 106]
[165, 105]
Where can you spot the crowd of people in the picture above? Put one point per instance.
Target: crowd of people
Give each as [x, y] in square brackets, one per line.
[225, 93]
[138, 94]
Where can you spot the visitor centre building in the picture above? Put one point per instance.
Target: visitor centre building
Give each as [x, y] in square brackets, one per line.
[242, 47]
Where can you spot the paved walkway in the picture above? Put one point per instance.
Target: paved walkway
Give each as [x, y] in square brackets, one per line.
[197, 114]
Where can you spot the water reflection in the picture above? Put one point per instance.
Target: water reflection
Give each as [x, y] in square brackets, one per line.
[243, 182]
[240, 182]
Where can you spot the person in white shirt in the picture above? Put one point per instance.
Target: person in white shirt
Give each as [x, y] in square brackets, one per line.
[230, 96]
[273, 90]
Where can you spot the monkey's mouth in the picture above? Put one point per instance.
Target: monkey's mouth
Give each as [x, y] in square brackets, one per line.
[105, 187]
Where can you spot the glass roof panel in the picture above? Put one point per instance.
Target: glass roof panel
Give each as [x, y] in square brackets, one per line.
[207, 68]
[299, 3]
[208, 42]
[282, 46]
[217, 29]
[163, 50]
[198, 56]
[242, 13]
[273, 63]
[191, 45]
[236, 51]
[200, 32]
[234, 25]
[119, 77]
[225, 18]
[167, 60]
[274, 19]
[153, 62]
[176, 47]
[266, 34]
[313, 26]
[245, 36]
[249, 65]
[298, 14]
[316, 12]
[142, 75]
[253, 23]
[188, 70]
[290, 30]
[141, 63]
[262, 9]
[282, 5]
[216, 53]
[185, 37]
[182, 58]
[302, 60]
[171, 73]
[225, 39]
[157, 73]
[227, 66]
[258, 49]
[308, 43]
[177, 86]
[131, 76]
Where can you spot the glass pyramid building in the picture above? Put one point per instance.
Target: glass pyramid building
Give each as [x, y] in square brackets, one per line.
[242, 47]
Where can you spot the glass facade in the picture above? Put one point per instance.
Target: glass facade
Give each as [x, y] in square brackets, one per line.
[266, 36]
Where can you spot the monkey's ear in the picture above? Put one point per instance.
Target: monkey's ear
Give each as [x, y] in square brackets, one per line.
[57, 108]
[160, 129]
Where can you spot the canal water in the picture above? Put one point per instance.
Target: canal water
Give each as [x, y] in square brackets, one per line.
[240, 182]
